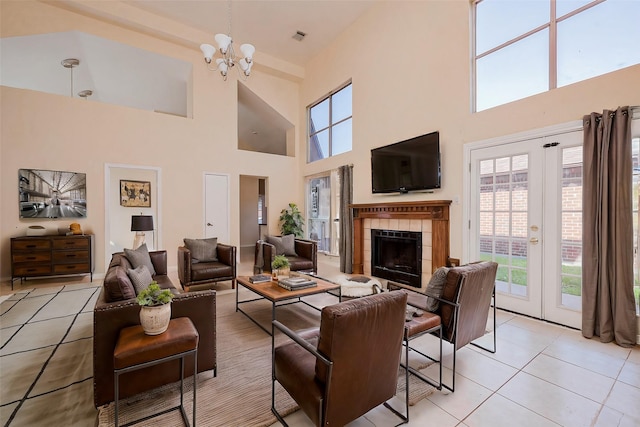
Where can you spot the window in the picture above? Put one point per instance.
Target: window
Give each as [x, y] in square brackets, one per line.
[330, 125]
[528, 47]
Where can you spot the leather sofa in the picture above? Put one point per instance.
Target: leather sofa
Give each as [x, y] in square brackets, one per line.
[203, 275]
[306, 257]
[112, 314]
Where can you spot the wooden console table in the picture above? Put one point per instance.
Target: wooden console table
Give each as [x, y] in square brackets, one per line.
[37, 256]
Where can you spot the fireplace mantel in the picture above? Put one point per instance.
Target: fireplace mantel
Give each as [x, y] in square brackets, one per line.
[437, 211]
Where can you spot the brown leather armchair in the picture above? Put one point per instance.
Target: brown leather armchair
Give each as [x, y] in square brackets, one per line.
[306, 257]
[203, 275]
[323, 370]
[464, 306]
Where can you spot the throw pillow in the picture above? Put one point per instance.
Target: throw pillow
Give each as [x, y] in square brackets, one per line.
[117, 284]
[435, 287]
[285, 245]
[140, 256]
[140, 277]
[202, 250]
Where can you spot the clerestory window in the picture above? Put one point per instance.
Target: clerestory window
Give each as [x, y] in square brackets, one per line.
[330, 125]
[523, 48]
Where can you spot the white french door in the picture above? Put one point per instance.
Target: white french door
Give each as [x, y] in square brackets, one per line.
[526, 214]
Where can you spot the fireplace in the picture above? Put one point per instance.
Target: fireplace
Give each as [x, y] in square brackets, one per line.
[397, 255]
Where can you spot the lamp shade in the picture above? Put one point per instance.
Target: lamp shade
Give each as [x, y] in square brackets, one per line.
[208, 51]
[141, 223]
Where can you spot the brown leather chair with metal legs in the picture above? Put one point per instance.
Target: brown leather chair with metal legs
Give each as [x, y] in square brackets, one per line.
[349, 365]
[467, 298]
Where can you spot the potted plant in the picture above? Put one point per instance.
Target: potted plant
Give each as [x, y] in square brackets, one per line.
[291, 221]
[155, 309]
[280, 266]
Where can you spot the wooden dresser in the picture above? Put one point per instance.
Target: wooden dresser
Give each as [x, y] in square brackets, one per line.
[51, 256]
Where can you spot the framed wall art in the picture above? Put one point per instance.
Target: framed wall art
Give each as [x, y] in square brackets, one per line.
[135, 194]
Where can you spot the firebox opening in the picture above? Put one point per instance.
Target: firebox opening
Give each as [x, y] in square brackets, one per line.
[397, 256]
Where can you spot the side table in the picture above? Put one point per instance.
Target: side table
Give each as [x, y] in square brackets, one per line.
[136, 350]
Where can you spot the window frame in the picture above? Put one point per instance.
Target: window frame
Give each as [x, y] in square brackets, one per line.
[551, 25]
[331, 125]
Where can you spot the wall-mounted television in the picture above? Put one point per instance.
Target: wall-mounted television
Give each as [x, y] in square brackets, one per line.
[52, 194]
[410, 165]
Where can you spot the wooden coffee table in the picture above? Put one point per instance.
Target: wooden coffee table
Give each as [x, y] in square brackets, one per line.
[280, 296]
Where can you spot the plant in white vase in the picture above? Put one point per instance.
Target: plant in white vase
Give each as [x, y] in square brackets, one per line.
[280, 266]
[155, 309]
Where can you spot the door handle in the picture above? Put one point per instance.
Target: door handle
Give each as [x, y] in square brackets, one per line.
[534, 240]
[209, 224]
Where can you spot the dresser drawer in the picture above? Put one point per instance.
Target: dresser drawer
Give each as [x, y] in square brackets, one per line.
[31, 256]
[71, 268]
[30, 244]
[70, 256]
[71, 243]
[31, 270]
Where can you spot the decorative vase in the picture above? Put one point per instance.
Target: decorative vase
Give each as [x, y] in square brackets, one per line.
[281, 273]
[155, 319]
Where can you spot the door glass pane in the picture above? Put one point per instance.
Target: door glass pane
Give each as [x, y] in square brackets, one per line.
[504, 221]
[571, 217]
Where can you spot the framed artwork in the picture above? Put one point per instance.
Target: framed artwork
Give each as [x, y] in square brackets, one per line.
[135, 194]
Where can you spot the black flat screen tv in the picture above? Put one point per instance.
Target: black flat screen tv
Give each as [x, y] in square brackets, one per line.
[52, 194]
[410, 165]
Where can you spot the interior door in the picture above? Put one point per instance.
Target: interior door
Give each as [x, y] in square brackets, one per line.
[216, 216]
[507, 224]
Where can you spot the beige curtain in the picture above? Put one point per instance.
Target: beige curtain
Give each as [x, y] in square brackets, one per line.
[608, 309]
[346, 218]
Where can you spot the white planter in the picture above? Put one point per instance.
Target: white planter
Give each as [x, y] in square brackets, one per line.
[155, 320]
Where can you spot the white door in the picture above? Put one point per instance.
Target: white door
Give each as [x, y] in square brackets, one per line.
[526, 214]
[216, 215]
[506, 228]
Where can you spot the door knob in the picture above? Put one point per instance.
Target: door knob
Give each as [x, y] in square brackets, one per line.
[534, 240]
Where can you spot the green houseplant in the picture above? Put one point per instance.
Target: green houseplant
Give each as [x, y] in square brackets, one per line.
[280, 266]
[291, 221]
[155, 308]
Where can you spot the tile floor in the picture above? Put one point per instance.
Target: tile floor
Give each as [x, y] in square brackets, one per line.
[541, 375]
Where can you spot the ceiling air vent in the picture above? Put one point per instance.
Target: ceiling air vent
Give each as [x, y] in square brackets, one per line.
[299, 35]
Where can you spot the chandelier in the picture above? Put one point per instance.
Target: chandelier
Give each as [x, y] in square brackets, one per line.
[228, 58]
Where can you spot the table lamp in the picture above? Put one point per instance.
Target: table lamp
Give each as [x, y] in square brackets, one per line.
[140, 224]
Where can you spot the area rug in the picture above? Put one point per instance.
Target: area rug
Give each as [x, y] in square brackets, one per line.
[240, 394]
[46, 357]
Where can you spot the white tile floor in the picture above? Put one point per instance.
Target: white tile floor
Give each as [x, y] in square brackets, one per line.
[541, 375]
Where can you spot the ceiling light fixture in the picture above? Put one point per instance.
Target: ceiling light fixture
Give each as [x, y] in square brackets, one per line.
[228, 56]
[70, 63]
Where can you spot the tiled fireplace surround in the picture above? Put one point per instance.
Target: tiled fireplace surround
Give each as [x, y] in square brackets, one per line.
[431, 218]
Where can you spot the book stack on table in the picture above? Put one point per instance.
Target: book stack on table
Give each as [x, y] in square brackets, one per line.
[260, 278]
[296, 283]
